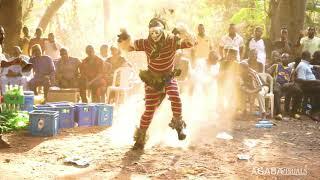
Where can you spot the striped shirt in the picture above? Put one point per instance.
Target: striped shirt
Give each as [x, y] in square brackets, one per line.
[165, 61]
[251, 81]
[256, 82]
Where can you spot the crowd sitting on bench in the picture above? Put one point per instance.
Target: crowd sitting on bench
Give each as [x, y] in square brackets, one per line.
[51, 66]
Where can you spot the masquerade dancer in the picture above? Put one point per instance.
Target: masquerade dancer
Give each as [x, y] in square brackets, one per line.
[160, 49]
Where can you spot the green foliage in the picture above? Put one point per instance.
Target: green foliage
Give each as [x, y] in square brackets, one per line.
[313, 13]
[12, 121]
[250, 17]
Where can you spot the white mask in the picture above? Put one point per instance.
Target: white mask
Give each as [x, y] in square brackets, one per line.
[156, 33]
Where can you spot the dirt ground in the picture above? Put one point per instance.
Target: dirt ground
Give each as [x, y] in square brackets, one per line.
[289, 150]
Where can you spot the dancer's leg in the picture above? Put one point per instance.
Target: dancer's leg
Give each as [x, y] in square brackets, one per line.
[152, 101]
[176, 123]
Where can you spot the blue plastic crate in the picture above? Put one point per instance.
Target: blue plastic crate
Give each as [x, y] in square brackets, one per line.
[104, 115]
[43, 123]
[28, 101]
[85, 114]
[66, 115]
[44, 107]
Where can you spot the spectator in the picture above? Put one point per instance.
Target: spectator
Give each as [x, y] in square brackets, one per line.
[253, 62]
[36, 40]
[203, 47]
[275, 58]
[43, 70]
[2, 36]
[116, 60]
[281, 74]
[293, 91]
[212, 61]
[228, 68]
[283, 45]
[91, 76]
[3, 144]
[258, 44]
[251, 85]
[24, 41]
[316, 61]
[17, 53]
[13, 70]
[67, 70]
[310, 43]
[104, 52]
[305, 77]
[52, 47]
[232, 41]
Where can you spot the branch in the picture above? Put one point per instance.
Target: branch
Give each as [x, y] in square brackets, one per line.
[27, 11]
[50, 12]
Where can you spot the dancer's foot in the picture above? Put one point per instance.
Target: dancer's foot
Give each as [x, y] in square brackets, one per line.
[140, 139]
[179, 125]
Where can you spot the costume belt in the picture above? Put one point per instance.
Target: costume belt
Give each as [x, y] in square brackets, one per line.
[158, 80]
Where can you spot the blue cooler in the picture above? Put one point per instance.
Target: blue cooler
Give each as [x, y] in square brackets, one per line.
[85, 114]
[43, 123]
[44, 107]
[104, 115]
[28, 101]
[66, 115]
[60, 103]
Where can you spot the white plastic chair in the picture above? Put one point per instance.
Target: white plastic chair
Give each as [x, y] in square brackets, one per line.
[125, 76]
[268, 78]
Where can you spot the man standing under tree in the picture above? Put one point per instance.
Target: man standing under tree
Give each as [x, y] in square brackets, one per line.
[310, 43]
[24, 41]
[37, 40]
[160, 49]
[283, 45]
[258, 44]
[203, 47]
[232, 40]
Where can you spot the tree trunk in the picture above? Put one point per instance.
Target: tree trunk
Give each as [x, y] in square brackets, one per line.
[287, 13]
[50, 12]
[11, 20]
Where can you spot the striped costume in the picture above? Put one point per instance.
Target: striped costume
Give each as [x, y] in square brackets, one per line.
[162, 64]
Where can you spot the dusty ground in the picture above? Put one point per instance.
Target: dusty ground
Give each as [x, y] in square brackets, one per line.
[291, 145]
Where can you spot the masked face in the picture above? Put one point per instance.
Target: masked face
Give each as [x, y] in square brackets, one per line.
[156, 33]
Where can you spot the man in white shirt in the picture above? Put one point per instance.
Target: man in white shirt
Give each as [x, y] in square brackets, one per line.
[305, 77]
[257, 43]
[232, 41]
[310, 43]
[203, 47]
[304, 69]
[51, 47]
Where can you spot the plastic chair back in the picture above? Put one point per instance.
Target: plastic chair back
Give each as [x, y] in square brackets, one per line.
[123, 75]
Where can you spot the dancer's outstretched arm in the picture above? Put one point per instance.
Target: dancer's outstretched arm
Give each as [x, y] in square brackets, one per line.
[184, 38]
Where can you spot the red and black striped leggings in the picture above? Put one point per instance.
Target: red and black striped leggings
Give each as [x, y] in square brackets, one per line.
[153, 100]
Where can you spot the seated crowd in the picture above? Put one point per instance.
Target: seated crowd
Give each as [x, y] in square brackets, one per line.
[43, 62]
[294, 68]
